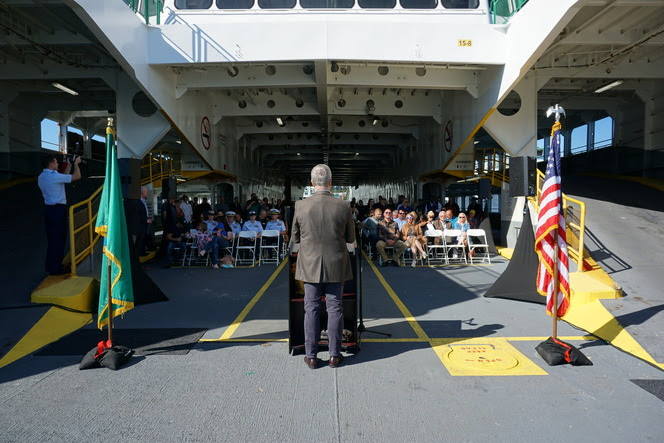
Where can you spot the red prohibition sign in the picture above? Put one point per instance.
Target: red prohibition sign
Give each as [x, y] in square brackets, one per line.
[447, 142]
[205, 133]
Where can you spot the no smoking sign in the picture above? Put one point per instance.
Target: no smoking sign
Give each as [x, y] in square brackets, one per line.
[206, 133]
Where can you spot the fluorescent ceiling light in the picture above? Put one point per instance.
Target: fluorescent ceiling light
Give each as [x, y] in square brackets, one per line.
[280, 121]
[64, 88]
[375, 120]
[357, 153]
[476, 142]
[609, 86]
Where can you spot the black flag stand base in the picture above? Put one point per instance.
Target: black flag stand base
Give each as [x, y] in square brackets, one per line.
[556, 352]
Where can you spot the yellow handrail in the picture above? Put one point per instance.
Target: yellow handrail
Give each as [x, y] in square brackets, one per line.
[160, 165]
[82, 235]
[574, 212]
[493, 164]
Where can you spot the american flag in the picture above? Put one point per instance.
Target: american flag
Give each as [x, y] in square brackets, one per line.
[551, 225]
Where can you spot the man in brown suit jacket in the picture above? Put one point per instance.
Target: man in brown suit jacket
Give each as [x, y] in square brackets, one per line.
[322, 226]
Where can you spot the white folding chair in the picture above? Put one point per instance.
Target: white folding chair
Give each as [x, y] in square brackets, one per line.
[249, 240]
[477, 240]
[434, 250]
[451, 246]
[190, 248]
[269, 243]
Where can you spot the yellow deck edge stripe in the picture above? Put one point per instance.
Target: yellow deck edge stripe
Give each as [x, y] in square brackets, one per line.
[53, 325]
[240, 318]
[596, 319]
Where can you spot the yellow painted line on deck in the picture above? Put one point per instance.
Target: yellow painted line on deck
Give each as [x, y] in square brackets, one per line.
[242, 340]
[55, 324]
[505, 359]
[596, 319]
[240, 318]
[395, 298]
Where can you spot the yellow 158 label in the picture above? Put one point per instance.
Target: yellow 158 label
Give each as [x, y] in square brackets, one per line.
[464, 43]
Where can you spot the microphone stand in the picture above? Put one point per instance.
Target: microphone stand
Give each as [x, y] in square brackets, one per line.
[358, 283]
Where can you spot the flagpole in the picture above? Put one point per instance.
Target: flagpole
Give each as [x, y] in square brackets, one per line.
[110, 302]
[109, 312]
[554, 311]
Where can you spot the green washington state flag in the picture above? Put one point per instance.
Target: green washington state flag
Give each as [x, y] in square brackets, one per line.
[112, 225]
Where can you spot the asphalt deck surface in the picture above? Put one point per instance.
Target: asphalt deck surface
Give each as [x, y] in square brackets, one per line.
[390, 390]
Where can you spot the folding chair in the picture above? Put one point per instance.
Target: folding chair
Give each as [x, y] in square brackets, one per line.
[477, 240]
[433, 249]
[190, 252]
[250, 238]
[389, 251]
[269, 243]
[450, 242]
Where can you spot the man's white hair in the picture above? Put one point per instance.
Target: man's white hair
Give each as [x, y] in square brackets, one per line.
[321, 175]
[143, 189]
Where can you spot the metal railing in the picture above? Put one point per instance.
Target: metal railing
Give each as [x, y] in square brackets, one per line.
[493, 164]
[574, 212]
[147, 9]
[82, 235]
[502, 10]
[160, 165]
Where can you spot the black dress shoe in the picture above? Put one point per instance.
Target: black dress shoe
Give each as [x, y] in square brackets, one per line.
[312, 363]
[335, 361]
[395, 263]
[385, 263]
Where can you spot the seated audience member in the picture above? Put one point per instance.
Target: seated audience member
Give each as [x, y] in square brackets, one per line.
[370, 227]
[450, 216]
[411, 234]
[473, 219]
[401, 217]
[263, 218]
[202, 237]
[175, 240]
[389, 236]
[211, 221]
[463, 226]
[232, 223]
[255, 226]
[277, 224]
[252, 224]
[432, 224]
[220, 240]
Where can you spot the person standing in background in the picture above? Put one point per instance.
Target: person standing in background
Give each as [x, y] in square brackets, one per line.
[52, 185]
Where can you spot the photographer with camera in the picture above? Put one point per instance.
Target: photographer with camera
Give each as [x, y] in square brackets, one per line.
[52, 185]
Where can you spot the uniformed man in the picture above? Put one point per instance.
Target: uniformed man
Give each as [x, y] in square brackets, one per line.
[234, 226]
[52, 185]
[277, 224]
[254, 225]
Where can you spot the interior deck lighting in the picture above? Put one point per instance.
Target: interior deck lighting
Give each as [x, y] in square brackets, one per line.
[64, 88]
[609, 86]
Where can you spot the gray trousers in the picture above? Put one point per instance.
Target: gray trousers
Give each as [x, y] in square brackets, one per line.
[333, 298]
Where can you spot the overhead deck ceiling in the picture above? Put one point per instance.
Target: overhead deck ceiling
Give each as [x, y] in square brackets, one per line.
[361, 118]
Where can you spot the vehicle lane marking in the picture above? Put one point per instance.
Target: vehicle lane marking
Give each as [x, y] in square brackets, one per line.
[230, 330]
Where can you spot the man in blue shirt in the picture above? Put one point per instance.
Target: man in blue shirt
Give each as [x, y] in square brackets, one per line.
[52, 185]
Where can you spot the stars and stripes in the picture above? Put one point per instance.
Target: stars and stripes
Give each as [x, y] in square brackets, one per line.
[551, 229]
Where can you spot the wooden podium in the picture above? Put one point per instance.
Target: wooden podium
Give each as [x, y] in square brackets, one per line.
[296, 310]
